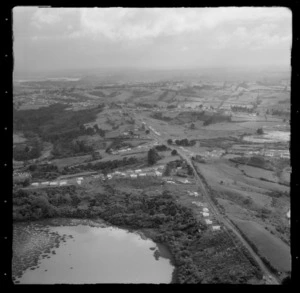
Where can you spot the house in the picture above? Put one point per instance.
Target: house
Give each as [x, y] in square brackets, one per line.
[138, 171]
[171, 182]
[45, 183]
[142, 174]
[35, 184]
[62, 183]
[208, 222]
[196, 193]
[205, 214]
[205, 210]
[216, 228]
[53, 183]
[157, 173]
[78, 182]
[109, 176]
[133, 175]
[80, 178]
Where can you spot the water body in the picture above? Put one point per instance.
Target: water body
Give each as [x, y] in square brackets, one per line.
[100, 255]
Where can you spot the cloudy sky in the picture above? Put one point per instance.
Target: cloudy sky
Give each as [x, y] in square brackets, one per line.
[82, 38]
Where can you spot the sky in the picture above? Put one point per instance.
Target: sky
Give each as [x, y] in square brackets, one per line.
[49, 39]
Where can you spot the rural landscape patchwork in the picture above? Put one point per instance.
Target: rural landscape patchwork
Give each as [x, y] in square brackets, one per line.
[152, 176]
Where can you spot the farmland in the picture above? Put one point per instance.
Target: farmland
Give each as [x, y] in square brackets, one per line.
[146, 150]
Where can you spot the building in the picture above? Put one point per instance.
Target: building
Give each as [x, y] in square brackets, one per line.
[45, 183]
[205, 210]
[35, 184]
[133, 175]
[208, 222]
[216, 228]
[53, 183]
[62, 183]
[142, 174]
[205, 214]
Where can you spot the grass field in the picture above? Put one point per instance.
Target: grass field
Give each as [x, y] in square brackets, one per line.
[269, 246]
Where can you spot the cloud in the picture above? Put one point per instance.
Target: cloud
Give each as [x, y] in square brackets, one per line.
[137, 23]
[254, 38]
[50, 16]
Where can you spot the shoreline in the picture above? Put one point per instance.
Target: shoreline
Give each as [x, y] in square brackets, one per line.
[37, 241]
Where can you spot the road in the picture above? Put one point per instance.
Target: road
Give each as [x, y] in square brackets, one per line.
[270, 277]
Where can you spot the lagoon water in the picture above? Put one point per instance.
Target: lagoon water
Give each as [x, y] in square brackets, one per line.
[100, 255]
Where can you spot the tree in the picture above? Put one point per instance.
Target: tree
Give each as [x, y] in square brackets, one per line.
[193, 126]
[153, 156]
[259, 131]
[147, 131]
[174, 152]
[26, 182]
[169, 141]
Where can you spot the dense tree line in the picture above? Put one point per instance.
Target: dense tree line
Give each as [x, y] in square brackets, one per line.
[184, 142]
[242, 109]
[105, 167]
[162, 148]
[199, 255]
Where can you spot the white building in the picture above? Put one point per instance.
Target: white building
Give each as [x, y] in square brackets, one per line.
[205, 214]
[35, 184]
[205, 210]
[138, 171]
[216, 228]
[45, 183]
[142, 174]
[133, 175]
[53, 183]
[80, 178]
[62, 183]
[208, 222]
[109, 176]
[158, 173]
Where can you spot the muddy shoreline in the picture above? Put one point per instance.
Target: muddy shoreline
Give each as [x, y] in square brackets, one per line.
[33, 241]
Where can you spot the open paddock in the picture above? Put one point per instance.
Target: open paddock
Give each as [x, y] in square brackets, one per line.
[272, 248]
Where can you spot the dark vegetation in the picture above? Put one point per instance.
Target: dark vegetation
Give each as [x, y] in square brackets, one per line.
[199, 255]
[153, 156]
[29, 151]
[260, 131]
[184, 171]
[58, 126]
[104, 167]
[242, 109]
[162, 148]
[185, 142]
[255, 161]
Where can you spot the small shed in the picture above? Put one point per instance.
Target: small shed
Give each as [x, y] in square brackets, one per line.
[208, 222]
